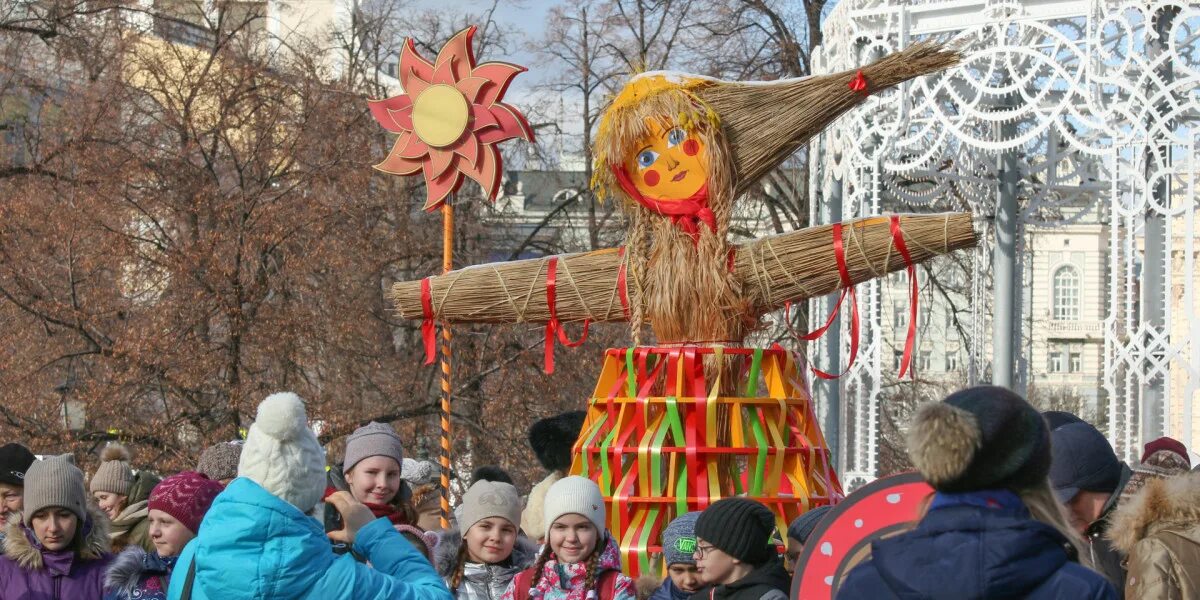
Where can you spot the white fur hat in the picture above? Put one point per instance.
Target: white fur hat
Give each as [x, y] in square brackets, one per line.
[574, 495]
[282, 454]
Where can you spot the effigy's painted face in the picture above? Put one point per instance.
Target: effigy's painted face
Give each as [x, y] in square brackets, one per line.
[670, 164]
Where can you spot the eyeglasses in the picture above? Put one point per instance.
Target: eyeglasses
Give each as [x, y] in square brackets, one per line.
[702, 549]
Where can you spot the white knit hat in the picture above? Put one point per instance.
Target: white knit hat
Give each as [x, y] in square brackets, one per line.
[574, 495]
[282, 454]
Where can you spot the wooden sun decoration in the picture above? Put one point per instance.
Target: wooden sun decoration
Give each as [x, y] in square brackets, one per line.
[450, 119]
[698, 417]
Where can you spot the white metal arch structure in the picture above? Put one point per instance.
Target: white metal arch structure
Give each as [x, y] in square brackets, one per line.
[1072, 111]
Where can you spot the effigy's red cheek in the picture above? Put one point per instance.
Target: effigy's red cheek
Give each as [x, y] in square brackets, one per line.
[691, 147]
[651, 178]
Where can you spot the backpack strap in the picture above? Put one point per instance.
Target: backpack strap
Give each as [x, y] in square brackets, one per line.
[189, 581]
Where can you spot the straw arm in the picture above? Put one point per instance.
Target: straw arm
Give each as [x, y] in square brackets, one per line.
[802, 264]
[773, 271]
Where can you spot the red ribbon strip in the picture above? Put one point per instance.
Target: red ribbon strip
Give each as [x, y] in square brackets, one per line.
[839, 252]
[428, 329]
[859, 83]
[554, 327]
[910, 339]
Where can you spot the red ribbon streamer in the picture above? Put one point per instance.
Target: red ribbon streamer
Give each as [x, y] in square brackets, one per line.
[859, 83]
[428, 329]
[910, 339]
[839, 252]
[554, 327]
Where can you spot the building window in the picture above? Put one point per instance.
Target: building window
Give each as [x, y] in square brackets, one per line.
[897, 358]
[1075, 362]
[924, 359]
[1066, 294]
[899, 315]
[1056, 362]
[952, 361]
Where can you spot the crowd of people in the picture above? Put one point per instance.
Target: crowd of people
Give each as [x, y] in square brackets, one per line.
[1026, 505]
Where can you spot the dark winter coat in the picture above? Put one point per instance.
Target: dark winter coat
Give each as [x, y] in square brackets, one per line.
[137, 574]
[768, 582]
[480, 581]
[669, 591]
[964, 552]
[29, 572]
[1104, 556]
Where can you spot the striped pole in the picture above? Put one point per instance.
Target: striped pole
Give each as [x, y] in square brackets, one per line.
[447, 266]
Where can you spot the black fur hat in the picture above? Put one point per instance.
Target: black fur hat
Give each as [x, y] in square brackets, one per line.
[553, 437]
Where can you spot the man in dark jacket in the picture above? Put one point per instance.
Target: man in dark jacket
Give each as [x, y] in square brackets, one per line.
[1088, 479]
[735, 555]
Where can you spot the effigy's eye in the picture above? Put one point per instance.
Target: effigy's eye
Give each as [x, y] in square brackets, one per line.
[646, 158]
[676, 137]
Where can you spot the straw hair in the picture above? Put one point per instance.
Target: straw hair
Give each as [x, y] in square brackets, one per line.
[810, 104]
[772, 270]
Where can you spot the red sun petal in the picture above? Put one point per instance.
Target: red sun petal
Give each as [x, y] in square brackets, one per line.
[412, 147]
[438, 188]
[439, 161]
[487, 172]
[511, 123]
[398, 165]
[501, 75]
[481, 118]
[443, 73]
[412, 65]
[471, 87]
[459, 52]
[469, 149]
[385, 112]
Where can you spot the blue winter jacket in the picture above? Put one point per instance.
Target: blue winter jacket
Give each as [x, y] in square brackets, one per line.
[669, 591]
[252, 545]
[961, 551]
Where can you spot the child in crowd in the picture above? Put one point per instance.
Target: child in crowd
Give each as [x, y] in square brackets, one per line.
[735, 554]
[678, 550]
[60, 546]
[176, 507]
[479, 563]
[580, 560]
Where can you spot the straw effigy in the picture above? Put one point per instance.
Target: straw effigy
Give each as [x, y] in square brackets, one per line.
[772, 271]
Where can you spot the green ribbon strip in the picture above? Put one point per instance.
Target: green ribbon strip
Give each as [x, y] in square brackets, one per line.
[679, 441]
[587, 471]
[756, 426]
[630, 375]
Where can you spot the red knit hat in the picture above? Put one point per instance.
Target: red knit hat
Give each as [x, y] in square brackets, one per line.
[1168, 444]
[185, 496]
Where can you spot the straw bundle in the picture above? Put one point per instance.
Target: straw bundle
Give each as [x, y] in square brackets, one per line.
[773, 270]
[765, 123]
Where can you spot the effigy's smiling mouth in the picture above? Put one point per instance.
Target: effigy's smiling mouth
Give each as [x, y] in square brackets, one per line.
[680, 176]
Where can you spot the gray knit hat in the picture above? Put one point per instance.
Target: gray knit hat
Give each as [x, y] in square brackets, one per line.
[490, 499]
[804, 524]
[115, 474]
[679, 540]
[372, 439]
[54, 481]
[220, 461]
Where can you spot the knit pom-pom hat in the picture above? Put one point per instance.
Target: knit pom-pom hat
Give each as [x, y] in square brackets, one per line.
[282, 454]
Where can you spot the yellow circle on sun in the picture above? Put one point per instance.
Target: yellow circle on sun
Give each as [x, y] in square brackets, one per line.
[440, 115]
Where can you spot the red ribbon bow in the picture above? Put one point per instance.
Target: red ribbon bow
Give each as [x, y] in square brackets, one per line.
[554, 327]
[839, 252]
[910, 339]
[859, 83]
[428, 329]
